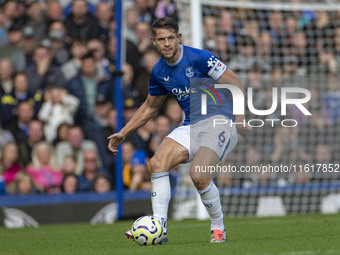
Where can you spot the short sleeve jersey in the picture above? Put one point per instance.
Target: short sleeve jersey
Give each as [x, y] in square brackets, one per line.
[174, 78]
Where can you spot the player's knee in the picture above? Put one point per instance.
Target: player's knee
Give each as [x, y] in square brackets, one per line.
[156, 164]
[199, 182]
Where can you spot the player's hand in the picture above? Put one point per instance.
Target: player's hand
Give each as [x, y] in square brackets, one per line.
[114, 142]
[243, 130]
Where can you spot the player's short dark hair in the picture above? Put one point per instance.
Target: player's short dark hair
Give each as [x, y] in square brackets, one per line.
[164, 23]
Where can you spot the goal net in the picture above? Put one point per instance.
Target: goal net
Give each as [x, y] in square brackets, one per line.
[290, 44]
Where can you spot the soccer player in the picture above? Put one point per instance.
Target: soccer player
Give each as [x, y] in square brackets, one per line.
[206, 146]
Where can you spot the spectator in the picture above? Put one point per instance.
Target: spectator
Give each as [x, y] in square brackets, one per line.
[264, 50]
[300, 51]
[317, 31]
[102, 109]
[143, 34]
[87, 88]
[101, 184]
[323, 155]
[44, 168]
[104, 15]
[71, 68]
[5, 137]
[19, 127]
[81, 24]
[111, 120]
[62, 134]
[37, 19]
[75, 146]
[59, 107]
[331, 101]
[222, 48]
[252, 29]
[21, 17]
[141, 139]
[133, 56]
[162, 124]
[254, 158]
[29, 43]
[174, 112]
[210, 32]
[13, 49]
[3, 31]
[106, 131]
[57, 33]
[131, 20]
[165, 8]
[285, 141]
[90, 170]
[136, 173]
[97, 49]
[131, 103]
[35, 135]
[9, 9]
[70, 165]
[6, 87]
[327, 63]
[54, 12]
[227, 27]
[337, 44]
[19, 94]
[128, 76]
[24, 184]
[69, 184]
[276, 27]
[144, 11]
[43, 73]
[242, 62]
[150, 58]
[291, 26]
[6, 77]
[9, 163]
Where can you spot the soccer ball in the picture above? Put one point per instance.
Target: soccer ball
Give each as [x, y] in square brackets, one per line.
[147, 230]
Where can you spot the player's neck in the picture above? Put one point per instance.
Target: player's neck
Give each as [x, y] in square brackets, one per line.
[173, 60]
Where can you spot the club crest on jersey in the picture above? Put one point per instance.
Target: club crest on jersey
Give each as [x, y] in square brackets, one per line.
[166, 78]
[189, 72]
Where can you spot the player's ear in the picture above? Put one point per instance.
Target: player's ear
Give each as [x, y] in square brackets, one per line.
[179, 36]
[153, 40]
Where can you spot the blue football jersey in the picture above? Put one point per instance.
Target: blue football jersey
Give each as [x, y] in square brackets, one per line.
[177, 79]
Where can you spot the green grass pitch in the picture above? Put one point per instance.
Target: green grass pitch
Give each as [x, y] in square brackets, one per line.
[290, 235]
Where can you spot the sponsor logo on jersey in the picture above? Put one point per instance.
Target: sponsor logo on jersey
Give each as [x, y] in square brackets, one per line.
[167, 78]
[189, 72]
[179, 93]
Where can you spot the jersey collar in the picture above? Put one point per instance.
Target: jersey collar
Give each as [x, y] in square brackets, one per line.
[178, 60]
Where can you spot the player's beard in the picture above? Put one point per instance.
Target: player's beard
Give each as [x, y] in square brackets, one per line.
[175, 49]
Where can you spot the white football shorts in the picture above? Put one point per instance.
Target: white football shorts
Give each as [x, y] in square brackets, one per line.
[221, 138]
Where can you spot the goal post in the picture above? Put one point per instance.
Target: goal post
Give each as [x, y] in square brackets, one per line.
[274, 45]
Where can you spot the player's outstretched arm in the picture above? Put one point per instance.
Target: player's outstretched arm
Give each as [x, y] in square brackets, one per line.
[228, 77]
[144, 113]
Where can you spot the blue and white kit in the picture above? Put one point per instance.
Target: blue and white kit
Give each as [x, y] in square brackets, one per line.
[176, 79]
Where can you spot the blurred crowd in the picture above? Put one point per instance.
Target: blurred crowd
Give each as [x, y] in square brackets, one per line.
[57, 90]
[274, 48]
